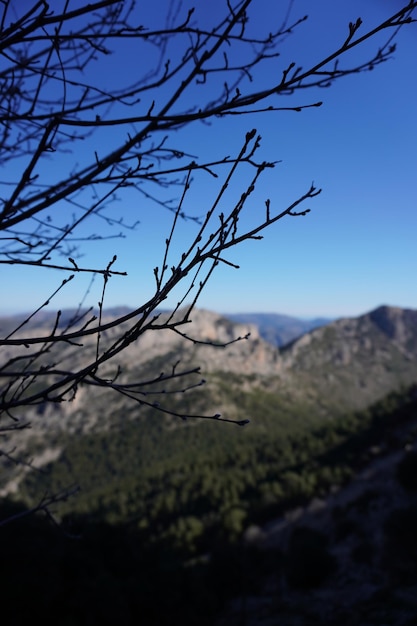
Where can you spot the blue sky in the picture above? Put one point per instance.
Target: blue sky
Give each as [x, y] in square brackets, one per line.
[354, 251]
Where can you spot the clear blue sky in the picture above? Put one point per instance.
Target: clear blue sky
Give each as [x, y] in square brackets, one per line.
[355, 250]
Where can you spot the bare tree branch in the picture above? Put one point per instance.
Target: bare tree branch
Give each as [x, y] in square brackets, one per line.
[54, 110]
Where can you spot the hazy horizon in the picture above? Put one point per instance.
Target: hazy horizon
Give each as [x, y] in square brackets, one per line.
[315, 315]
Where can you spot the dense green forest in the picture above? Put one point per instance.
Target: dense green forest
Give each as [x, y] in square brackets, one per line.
[163, 506]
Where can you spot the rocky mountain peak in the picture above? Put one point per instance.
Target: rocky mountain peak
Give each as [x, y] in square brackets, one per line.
[399, 324]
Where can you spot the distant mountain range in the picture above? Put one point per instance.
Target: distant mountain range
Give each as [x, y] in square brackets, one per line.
[276, 328]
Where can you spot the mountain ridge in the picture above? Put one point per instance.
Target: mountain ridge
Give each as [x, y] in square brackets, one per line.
[277, 328]
[344, 365]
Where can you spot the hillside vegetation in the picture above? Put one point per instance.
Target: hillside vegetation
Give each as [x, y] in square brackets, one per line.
[167, 503]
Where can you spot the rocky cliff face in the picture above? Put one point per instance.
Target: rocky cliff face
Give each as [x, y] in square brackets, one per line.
[357, 360]
[379, 330]
[399, 325]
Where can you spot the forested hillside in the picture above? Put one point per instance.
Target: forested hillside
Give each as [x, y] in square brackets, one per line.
[175, 514]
